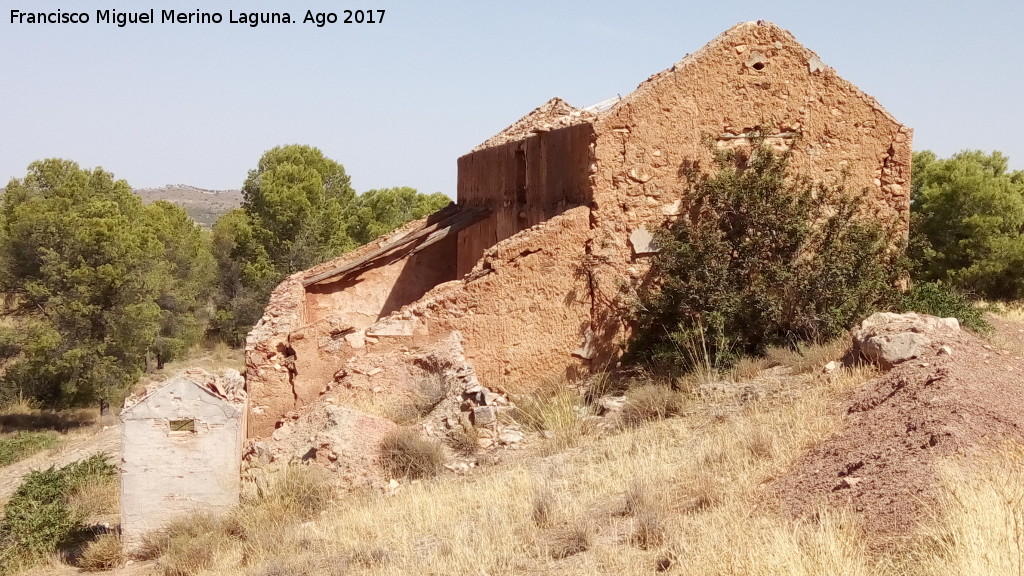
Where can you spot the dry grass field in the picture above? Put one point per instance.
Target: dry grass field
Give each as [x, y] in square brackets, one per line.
[679, 487]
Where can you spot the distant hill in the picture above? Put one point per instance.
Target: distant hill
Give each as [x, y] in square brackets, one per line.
[204, 206]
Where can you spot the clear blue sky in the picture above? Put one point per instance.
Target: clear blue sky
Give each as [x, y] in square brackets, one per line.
[398, 102]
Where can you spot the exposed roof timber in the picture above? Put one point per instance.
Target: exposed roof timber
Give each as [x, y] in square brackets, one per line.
[416, 241]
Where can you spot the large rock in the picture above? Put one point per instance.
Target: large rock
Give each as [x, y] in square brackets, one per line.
[887, 338]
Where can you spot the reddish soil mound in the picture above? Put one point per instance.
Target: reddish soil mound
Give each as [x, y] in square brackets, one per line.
[883, 464]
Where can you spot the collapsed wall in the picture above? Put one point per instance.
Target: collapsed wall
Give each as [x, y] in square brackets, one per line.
[524, 180]
[516, 310]
[554, 224]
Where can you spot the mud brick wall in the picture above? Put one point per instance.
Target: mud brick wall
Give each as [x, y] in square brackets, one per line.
[524, 183]
[538, 285]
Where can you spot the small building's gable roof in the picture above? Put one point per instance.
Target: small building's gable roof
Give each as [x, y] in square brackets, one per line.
[188, 394]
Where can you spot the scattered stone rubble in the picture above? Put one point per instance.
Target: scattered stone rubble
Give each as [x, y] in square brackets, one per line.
[347, 441]
[229, 385]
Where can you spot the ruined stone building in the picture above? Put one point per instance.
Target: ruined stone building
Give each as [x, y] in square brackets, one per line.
[181, 451]
[553, 219]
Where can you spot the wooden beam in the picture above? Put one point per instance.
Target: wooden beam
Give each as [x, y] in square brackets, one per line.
[429, 234]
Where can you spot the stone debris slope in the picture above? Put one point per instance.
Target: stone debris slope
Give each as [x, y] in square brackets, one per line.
[948, 397]
[440, 391]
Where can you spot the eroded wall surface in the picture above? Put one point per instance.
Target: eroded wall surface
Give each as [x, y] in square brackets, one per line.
[522, 312]
[753, 76]
[542, 279]
[523, 183]
[316, 323]
[166, 474]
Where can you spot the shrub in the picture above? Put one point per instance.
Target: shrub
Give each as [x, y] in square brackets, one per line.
[38, 518]
[21, 445]
[404, 454]
[760, 258]
[943, 300]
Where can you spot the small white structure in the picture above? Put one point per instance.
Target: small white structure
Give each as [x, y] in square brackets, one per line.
[181, 450]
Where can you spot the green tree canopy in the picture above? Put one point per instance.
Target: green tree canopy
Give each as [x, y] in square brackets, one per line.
[967, 222]
[188, 270]
[245, 276]
[94, 281]
[296, 200]
[299, 210]
[377, 212]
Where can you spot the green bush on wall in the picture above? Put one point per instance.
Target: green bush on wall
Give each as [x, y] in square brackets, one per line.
[761, 258]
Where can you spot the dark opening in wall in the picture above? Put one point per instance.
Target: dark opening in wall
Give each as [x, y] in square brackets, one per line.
[188, 425]
[757, 61]
[520, 175]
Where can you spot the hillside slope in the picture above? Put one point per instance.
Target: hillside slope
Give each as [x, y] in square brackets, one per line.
[204, 206]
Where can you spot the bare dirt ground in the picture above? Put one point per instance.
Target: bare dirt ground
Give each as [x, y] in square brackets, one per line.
[902, 428]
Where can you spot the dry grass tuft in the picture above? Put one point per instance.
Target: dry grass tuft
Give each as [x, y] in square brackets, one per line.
[638, 498]
[554, 408]
[542, 505]
[425, 396]
[807, 358]
[760, 444]
[575, 538]
[703, 493]
[748, 367]
[667, 559]
[299, 492]
[651, 402]
[979, 528]
[102, 554]
[189, 545]
[463, 440]
[370, 557]
[649, 529]
[96, 499]
[404, 454]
